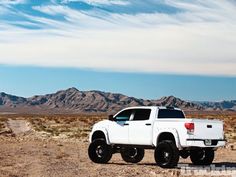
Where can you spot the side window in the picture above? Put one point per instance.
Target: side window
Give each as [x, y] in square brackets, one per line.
[142, 114]
[124, 115]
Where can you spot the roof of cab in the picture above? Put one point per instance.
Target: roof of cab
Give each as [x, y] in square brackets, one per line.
[158, 107]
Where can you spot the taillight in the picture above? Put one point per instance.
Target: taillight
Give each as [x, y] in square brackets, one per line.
[189, 127]
[224, 128]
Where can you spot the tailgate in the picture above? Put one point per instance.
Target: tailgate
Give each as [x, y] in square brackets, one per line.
[208, 129]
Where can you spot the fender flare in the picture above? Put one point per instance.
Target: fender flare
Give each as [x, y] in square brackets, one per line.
[102, 129]
[172, 131]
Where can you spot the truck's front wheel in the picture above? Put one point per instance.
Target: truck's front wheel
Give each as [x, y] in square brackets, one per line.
[202, 156]
[166, 154]
[132, 155]
[99, 151]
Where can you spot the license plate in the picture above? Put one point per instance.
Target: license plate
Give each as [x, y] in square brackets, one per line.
[207, 142]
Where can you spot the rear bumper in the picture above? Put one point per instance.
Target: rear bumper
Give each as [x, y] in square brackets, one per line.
[201, 143]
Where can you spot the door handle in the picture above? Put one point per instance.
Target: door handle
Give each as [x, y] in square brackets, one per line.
[148, 124]
[126, 124]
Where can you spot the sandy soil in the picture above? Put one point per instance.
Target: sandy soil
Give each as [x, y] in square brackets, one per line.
[30, 153]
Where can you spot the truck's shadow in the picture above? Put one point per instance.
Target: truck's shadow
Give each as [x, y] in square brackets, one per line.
[221, 165]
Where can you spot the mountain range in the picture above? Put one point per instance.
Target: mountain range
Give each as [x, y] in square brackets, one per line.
[72, 101]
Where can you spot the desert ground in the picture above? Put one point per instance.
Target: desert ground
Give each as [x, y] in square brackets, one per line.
[56, 145]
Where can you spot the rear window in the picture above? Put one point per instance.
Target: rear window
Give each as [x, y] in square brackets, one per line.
[168, 113]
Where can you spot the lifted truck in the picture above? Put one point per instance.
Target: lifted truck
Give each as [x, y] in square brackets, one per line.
[164, 129]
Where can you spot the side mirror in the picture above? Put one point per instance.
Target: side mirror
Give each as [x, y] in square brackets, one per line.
[111, 118]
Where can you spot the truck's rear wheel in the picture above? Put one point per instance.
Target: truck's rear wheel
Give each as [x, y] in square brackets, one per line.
[99, 151]
[132, 155]
[166, 154]
[202, 156]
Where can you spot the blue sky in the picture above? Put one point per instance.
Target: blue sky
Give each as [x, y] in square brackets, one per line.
[183, 48]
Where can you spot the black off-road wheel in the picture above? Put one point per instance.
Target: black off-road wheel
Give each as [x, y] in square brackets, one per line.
[202, 156]
[132, 155]
[99, 151]
[166, 154]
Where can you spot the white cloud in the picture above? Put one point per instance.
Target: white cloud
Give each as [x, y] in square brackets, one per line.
[100, 2]
[200, 40]
[74, 19]
[5, 2]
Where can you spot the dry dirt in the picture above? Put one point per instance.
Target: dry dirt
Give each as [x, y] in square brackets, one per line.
[49, 146]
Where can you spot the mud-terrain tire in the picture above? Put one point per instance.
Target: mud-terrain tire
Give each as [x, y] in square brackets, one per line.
[166, 154]
[202, 156]
[99, 151]
[132, 155]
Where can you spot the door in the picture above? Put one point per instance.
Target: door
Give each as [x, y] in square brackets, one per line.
[140, 127]
[119, 129]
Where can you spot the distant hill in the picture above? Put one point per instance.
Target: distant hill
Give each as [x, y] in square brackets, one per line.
[74, 101]
[221, 105]
[11, 100]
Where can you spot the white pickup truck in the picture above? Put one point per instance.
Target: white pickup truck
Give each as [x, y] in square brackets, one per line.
[164, 129]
